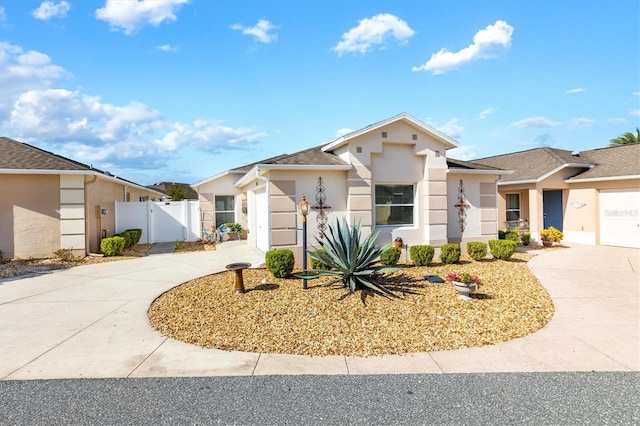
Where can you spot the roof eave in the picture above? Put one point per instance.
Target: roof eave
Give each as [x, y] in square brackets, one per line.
[602, 179]
[480, 171]
[342, 140]
[218, 176]
[252, 174]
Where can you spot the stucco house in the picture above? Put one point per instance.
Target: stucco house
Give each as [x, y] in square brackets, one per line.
[49, 202]
[392, 176]
[592, 196]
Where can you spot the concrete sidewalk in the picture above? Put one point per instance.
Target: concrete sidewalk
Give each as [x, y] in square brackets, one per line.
[91, 321]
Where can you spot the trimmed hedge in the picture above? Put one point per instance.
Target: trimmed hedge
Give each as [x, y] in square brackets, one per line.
[280, 262]
[513, 236]
[113, 246]
[502, 249]
[421, 254]
[450, 253]
[526, 238]
[476, 249]
[391, 255]
[137, 234]
[316, 264]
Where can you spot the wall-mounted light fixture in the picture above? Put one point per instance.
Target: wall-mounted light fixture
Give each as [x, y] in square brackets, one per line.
[104, 211]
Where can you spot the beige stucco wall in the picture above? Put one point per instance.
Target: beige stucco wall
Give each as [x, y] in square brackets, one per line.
[221, 186]
[29, 215]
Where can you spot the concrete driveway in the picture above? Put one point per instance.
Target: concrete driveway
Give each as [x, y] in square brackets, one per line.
[91, 321]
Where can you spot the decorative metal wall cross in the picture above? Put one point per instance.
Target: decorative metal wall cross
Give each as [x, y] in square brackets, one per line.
[462, 207]
[320, 208]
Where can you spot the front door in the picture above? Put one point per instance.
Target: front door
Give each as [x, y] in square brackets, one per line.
[552, 208]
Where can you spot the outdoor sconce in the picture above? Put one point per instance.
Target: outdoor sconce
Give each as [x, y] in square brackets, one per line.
[304, 211]
[104, 211]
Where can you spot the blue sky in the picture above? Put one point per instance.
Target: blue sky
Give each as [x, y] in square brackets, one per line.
[181, 90]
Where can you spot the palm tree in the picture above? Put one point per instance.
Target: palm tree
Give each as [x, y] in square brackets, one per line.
[626, 139]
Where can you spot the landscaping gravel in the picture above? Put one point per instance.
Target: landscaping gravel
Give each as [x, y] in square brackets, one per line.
[277, 316]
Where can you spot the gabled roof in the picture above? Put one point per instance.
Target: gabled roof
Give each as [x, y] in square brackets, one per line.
[539, 163]
[22, 158]
[613, 162]
[342, 140]
[460, 166]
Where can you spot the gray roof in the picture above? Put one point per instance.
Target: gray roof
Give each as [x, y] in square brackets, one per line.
[16, 155]
[599, 163]
[308, 157]
[21, 156]
[470, 165]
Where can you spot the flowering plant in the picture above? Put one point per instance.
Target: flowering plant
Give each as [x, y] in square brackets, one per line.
[464, 277]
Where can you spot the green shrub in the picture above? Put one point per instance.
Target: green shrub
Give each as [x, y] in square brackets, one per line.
[502, 249]
[502, 234]
[137, 234]
[64, 254]
[512, 236]
[128, 238]
[421, 254]
[280, 262]
[526, 238]
[450, 253]
[113, 246]
[317, 264]
[476, 249]
[391, 255]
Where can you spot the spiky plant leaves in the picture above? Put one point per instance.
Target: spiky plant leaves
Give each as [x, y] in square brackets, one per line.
[352, 260]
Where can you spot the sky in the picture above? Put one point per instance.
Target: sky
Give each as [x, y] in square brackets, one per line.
[182, 90]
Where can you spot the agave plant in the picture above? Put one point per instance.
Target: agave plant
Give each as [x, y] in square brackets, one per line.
[351, 261]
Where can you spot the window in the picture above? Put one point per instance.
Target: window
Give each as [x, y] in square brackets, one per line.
[394, 204]
[224, 205]
[513, 207]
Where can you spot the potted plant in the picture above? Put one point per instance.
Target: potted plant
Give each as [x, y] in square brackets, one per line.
[237, 228]
[398, 242]
[464, 283]
[551, 235]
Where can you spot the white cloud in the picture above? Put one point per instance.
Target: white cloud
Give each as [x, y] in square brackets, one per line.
[85, 128]
[24, 71]
[535, 123]
[464, 153]
[636, 93]
[51, 9]
[485, 113]
[131, 15]
[3, 14]
[261, 31]
[581, 122]
[167, 48]
[576, 90]
[342, 132]
[618, 120]
[451, 128]
[487, 43]
[372, 32]
[635, 112]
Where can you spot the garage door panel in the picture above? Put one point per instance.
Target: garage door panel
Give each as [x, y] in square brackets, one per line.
[620, 218]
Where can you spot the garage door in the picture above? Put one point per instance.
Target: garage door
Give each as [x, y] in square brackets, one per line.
[620, 218]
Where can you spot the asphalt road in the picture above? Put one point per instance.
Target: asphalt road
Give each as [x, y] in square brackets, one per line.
[594, 398]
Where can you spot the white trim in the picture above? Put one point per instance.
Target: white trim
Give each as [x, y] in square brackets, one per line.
[603, 179]
[480, 172]
[212, 178]
[336, 143]
[250, 176]
[76, 172]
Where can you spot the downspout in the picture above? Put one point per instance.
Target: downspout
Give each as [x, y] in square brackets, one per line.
[268, 193]
[87, 239]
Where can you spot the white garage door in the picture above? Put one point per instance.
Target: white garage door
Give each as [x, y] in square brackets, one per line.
[262, 221]
[620, 218]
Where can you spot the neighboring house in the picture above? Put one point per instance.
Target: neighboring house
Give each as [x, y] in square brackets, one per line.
[592, 196]
[49, 202]
[163, 186]
[392, 176]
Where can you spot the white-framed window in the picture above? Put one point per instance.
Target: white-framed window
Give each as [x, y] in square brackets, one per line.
[394, 204]
[225, 209]
[513, 207]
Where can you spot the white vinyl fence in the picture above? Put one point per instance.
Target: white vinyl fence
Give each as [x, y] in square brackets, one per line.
[160, 222]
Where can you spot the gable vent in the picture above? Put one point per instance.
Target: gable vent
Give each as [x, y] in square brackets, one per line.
[414, 137]
[384, 134]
